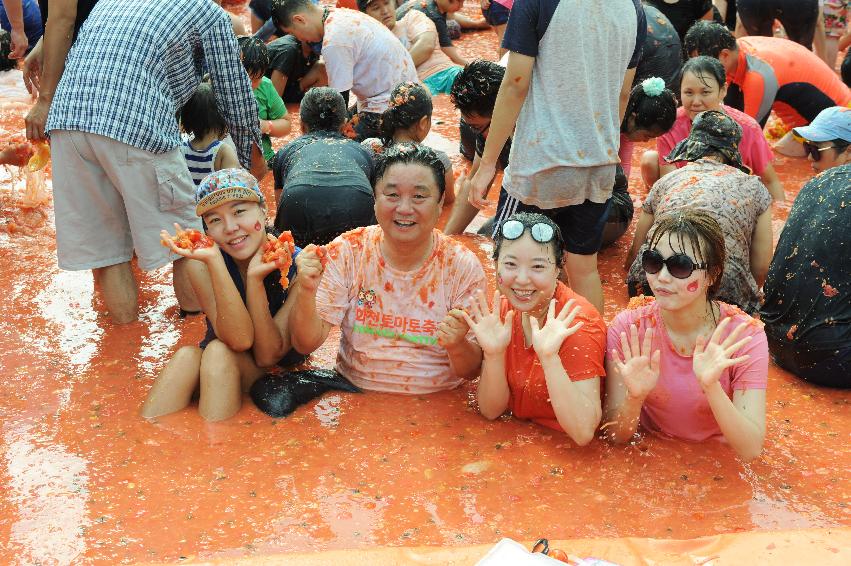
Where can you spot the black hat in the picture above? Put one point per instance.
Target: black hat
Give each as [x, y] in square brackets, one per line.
[711, 132]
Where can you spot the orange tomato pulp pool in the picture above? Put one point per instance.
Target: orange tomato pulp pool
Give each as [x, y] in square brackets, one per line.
[86, 480]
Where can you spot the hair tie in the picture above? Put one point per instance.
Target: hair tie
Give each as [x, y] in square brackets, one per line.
[654, 86]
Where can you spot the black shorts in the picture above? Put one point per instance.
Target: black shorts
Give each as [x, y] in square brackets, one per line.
[581, 225]
[496, 15]
[261, 8]
[798, 17]
[318, 214]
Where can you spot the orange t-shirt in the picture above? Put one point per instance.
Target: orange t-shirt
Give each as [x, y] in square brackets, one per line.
[777, 73]
[581, 355]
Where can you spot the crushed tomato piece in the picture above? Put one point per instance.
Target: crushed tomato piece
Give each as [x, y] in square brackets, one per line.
[280, 250]
[190, 240]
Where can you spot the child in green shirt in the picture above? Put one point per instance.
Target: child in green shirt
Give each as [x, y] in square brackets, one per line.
[274, 121]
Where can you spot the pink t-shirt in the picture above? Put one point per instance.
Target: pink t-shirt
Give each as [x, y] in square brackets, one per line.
[507, 3]
[408, 29]
[388, 318]
[677, 406]
[754, 148]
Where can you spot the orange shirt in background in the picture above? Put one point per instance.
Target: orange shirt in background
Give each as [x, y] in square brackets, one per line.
[775, 73]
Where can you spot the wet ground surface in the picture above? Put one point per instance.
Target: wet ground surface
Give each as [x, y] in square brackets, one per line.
[85, 479]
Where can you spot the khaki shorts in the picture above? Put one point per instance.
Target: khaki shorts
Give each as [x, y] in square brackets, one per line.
[112, 199]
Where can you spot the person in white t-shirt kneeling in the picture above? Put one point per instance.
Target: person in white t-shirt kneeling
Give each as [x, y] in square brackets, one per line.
[396, 290]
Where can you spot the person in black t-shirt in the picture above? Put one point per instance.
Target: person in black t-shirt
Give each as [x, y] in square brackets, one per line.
[323, 180]
[807, 308]
[683, 13]
[289, 62]
[661, 55]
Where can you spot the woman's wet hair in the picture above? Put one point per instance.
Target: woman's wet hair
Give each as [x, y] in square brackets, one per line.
[694, 229]
[411, 153]
[708, 38]
[410, 102]
[323, 109]
[650, 110]
[476, 86]
[255, 55]
[5, 49]
[702, 67]
[529, 219]
[200, 115]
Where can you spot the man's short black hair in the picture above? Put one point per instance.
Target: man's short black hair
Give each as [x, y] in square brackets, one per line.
[476, 86]
[410, 152]
[255, 55]
[284, 10]
[708, 38]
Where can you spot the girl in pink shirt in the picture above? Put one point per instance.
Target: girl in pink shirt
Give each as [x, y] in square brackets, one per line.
[703, 87]
[684, 364]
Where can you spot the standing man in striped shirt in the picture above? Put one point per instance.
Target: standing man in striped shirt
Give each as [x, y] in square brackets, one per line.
[119, 176]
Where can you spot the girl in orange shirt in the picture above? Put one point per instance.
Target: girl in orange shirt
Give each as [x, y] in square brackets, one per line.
[543, 344]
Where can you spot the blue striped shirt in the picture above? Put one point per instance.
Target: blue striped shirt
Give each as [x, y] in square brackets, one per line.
[135, 63]
[201, 163]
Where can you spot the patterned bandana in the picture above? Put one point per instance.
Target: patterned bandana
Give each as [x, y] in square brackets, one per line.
[226, 185]
[711, 132]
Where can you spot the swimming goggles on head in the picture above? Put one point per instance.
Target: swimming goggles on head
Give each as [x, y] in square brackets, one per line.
[541, 232]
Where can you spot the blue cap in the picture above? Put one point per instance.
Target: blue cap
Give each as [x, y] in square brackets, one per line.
[832, 123]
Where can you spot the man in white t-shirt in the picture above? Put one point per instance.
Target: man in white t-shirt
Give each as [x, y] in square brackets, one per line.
[361, 55]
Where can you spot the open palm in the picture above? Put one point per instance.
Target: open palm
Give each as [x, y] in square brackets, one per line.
[639, 368]
[713, 357]
[492, 333]
[547, 339]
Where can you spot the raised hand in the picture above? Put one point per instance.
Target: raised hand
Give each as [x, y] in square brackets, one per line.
[638, 368]
[309, 266]
[713, 357]
[257, 268]
[452, 329]
[492, 333]
[547, 339]
[207, 252]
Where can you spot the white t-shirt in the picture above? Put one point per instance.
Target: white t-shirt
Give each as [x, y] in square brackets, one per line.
[388, 318]
[363, 56]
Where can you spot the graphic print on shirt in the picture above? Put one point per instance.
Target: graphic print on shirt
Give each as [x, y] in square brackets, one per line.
[369, 320]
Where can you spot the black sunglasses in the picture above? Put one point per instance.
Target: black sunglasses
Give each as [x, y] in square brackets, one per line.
[680, 266]
[541, 233]
[814, 151]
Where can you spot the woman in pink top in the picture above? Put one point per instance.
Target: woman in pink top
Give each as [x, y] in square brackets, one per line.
[684, 364]
[702, 88]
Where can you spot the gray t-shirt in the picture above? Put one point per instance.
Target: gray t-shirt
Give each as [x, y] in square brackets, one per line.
[565, 145]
